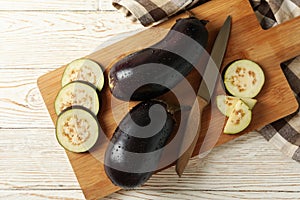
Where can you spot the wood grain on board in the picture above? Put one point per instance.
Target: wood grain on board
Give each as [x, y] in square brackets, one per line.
[247, 40]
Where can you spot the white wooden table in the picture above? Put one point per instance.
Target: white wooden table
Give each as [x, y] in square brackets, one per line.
[39, 36]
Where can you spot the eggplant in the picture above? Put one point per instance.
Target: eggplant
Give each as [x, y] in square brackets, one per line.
[136, 147]
[153, 71]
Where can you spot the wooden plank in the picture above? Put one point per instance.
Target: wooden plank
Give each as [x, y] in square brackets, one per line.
[105, 5]
[235, 167]
[32, 159]
[246, 33]
[21, 104]
[48, 5]
[29, 166]
[207, 195]
[149, 194]
[34, 39]
[41, 194]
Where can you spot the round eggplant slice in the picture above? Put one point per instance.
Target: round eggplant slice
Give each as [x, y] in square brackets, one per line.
[77, 129]
[84, 70]
[244, 78]
[239, 118]
[226, 103]
[77, 93]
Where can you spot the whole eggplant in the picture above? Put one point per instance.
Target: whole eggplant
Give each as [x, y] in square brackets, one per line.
[153, 71]
[135, 149]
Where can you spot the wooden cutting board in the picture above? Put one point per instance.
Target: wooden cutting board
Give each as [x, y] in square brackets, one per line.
[248, 40]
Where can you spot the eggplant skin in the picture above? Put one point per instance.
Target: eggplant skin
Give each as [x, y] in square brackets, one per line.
[129, 82]
[125, 140]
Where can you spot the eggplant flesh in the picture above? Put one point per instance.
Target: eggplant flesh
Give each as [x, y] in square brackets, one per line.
[135, 148]
[77, 129]
[244, 78]
[77, 93]
[155, 70]
[84, 69]
[239, 118]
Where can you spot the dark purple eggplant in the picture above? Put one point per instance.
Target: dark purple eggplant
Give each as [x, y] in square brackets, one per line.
[143, 75]
[137, 144]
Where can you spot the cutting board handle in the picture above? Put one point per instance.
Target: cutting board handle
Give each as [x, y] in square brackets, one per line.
[287, 42]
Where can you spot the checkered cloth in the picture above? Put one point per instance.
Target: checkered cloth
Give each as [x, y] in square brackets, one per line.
[284, 133]
[153, 11]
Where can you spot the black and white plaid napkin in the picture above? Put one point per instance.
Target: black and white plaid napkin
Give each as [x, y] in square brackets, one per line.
[148, 12]
[284, 133]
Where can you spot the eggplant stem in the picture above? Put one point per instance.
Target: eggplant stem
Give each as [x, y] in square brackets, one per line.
[190, 13]
[174, 108]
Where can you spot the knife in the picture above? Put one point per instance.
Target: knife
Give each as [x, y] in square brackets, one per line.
[204, 94]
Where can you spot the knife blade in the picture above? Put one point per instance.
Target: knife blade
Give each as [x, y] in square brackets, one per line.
[206, 88]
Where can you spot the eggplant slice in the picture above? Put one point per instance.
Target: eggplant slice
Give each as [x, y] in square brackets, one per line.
[226, 103]
[244, 78]
[77, 93]
[239, 118]
[77, 129]
[84, 69]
